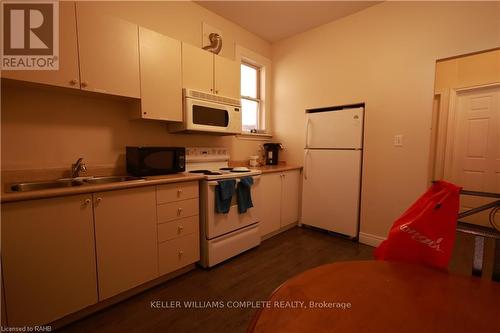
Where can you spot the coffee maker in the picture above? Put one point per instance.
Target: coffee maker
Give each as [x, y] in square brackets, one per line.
[271, 152]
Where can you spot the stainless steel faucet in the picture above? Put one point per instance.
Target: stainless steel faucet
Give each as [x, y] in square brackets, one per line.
[78, 167]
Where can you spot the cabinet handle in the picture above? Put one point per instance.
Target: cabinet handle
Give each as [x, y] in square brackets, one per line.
[87, 201]
[179, 229]
[216, 91]
[181, 253]
[98, 200]
[84, 84]
[211, 90]
[73, 82]
[179, 192]
[179, 211]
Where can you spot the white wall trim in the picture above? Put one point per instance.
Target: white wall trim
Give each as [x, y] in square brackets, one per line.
[369, 239]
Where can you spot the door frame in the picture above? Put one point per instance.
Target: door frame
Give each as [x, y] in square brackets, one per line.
[451, 120]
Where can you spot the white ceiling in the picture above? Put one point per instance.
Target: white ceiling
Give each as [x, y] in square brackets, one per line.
[276, 20]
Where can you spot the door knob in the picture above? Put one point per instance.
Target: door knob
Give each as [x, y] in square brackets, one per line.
[84, 84]
[98, 200]
[87, 201]
[73, 82]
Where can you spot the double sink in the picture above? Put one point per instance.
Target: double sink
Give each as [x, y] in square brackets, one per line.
[70, 182]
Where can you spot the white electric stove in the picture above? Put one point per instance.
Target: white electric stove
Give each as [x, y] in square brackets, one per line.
[223, 235]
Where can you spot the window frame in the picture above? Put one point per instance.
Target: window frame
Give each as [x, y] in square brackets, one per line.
[258, 99]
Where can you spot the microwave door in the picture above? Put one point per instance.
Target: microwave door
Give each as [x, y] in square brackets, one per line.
[208, 117]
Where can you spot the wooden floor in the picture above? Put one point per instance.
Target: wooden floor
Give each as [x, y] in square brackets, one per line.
[250, 276]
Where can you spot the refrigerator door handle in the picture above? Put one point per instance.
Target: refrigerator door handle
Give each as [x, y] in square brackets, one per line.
[306, 153]
[307, 131]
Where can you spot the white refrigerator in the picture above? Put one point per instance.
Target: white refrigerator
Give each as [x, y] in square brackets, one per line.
[332, 169]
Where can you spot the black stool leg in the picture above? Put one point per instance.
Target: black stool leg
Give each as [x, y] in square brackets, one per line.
[496, 263]
[477, 264]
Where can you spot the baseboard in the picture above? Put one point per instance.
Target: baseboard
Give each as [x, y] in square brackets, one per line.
[279, 231]
[369, 239]
[72, 317]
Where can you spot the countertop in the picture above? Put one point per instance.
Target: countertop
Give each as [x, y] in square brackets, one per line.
[90, 188]
[153, 180]
[277, 168]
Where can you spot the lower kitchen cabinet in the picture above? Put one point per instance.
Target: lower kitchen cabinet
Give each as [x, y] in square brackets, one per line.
[279, 200]
[126, 239]
[48, 258]
[178, 226]
[179, 252]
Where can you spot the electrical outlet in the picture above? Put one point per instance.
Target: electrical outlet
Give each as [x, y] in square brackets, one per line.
[398, 140]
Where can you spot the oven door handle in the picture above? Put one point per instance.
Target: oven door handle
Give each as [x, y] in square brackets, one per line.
[215, 183]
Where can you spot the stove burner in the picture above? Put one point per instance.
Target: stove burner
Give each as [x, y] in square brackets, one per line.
[206, 172]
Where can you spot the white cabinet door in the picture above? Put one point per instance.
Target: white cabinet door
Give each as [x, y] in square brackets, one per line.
[335, 129]
[68, 74]
[109, 52]
[227, 77]
[126, 239]
[48, 258]
[331, 185]
[270, 203]
[161, 76]
[290, 197]
[197, 69]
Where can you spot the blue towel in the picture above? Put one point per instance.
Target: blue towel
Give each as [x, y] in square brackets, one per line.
[223, 195]
[244, 195]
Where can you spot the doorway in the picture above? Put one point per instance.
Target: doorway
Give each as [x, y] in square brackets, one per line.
[473, 145]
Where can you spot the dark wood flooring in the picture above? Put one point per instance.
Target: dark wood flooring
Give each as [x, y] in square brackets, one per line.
[252, 275]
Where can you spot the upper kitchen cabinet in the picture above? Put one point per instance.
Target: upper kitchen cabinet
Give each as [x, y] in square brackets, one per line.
[109, 53]
[205, 71]
[68, 73]
[197, 68]
[161, 76]
[227, 77]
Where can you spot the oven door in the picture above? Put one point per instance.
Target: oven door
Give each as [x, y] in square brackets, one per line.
[219, 224]
[212, 117]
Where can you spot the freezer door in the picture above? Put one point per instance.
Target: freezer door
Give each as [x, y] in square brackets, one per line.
[331, 187]
[335, 129]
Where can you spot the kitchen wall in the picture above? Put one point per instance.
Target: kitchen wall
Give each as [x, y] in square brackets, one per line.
[50, 127]
[384, 56]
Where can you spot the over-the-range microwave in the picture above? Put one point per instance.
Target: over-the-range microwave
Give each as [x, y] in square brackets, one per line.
[209, 113]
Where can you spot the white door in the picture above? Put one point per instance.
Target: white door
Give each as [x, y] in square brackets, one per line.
[475, 162]
[335, 129]
[331, 185]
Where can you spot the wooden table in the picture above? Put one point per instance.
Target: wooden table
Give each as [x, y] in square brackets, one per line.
[383, 297]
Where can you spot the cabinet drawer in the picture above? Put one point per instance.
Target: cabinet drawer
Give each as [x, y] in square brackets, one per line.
[178, 228]
[179, 252]
[175, 192]
[177, 210]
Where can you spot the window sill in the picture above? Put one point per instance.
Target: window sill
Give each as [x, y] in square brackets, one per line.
[254, 136]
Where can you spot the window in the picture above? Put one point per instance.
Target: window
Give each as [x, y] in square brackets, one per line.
[251, 109]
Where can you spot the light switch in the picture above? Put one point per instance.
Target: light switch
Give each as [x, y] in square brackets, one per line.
[398, 140]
